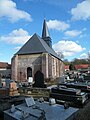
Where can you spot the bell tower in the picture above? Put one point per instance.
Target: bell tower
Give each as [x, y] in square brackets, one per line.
[45, 34]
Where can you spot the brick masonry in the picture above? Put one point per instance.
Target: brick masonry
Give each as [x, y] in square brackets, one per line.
[50, 66]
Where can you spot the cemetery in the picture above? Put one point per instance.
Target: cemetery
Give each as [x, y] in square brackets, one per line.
[35, 110]
[58, 97]
[38, 88]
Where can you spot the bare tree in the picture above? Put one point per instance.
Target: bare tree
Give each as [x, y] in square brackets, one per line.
[60, 55]
[89, 57]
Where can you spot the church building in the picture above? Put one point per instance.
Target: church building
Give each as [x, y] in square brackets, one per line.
[37, 55]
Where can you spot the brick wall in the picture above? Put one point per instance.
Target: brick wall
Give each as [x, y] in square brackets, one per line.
[50, 66]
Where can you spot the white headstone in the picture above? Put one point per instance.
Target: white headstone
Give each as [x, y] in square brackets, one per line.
[30, 79]
[52, 101]
[30, 101]
[12, 108]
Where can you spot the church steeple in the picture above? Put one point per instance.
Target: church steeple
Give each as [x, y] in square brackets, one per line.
[46, 35]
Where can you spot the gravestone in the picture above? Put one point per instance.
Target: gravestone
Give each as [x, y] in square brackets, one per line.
[0, 80]
[8, 81]
[39, 79]
[30, 80]
[12, 108]
[61, 79]
[30, 101]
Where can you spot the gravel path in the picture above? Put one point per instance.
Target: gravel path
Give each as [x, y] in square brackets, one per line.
[83, 113]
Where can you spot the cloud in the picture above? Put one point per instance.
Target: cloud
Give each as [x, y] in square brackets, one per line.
[57, 25]
[9, 10]
[82, 11]
[16, 37]
[73, 33]
[83, 56]
[67, 48]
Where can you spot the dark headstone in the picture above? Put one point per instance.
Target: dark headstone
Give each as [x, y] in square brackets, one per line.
[39, 79]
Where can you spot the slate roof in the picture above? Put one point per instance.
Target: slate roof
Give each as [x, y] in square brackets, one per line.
[36, 45]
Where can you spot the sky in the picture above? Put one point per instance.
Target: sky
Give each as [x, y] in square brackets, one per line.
[68, 22]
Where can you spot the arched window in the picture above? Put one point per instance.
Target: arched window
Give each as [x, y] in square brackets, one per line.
[29, 72]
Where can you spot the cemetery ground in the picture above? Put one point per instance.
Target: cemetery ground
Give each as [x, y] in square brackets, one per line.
[83, 113]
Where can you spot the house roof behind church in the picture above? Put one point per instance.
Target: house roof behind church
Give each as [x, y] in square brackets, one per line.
[5, 65]
[36, 45]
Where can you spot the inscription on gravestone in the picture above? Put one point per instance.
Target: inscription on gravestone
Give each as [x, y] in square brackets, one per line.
[30, 101]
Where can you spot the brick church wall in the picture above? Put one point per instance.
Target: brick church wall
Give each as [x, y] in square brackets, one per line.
[24, 61]
[50, 66]
[14, 67]
[45, 65]
[55, 67]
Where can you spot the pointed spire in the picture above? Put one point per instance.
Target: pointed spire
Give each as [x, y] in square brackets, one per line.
[46, 35]
[45, 32]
